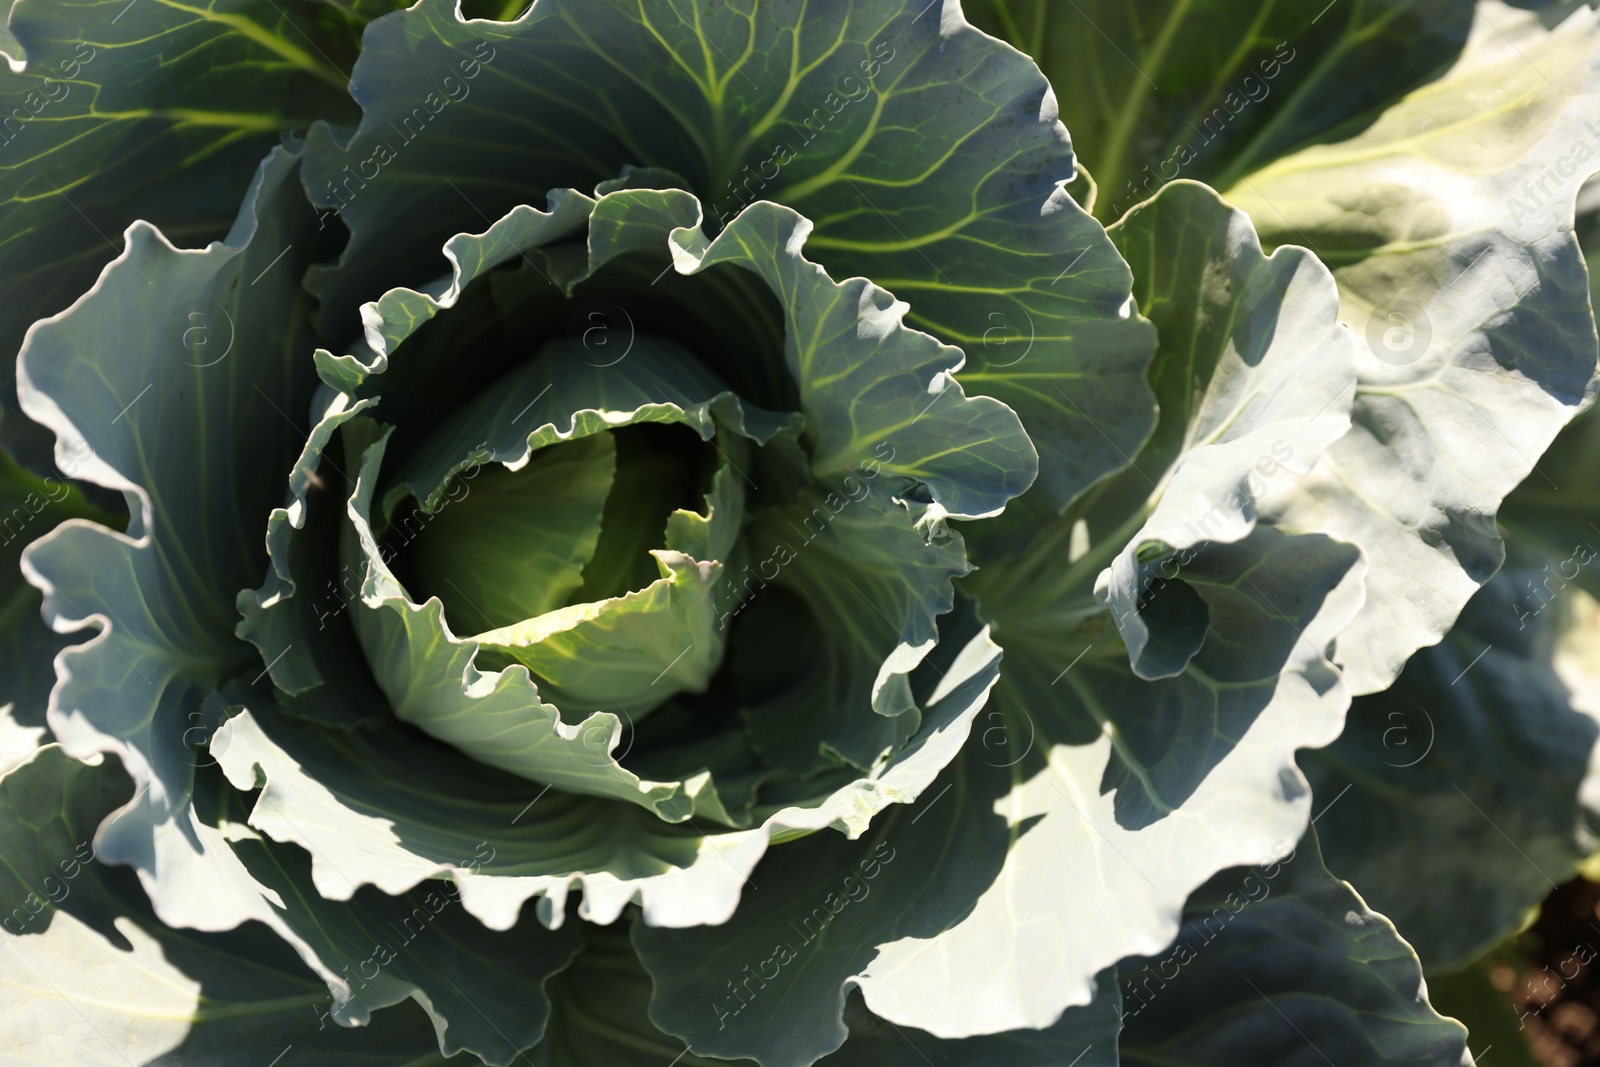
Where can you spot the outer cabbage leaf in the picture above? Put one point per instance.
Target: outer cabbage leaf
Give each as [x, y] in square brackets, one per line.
[357, 797]
[771, 983]
[29, 507]
[825, 908]
[1116, 795]
[482, 989]
[1254, 377]
[603, 998]
[1551, 517]
[95, 978]
[1476, 772]
[1119, 795]
[1428, 152]
[866, 379]
[9, 45]
[1448, 223]
[108, 377]
[852, 121]
[1290, 963]
[600, 1016]
[1478, 769]
[1084, 1037]
[969, 456]
[158, 111]
[1210, 90]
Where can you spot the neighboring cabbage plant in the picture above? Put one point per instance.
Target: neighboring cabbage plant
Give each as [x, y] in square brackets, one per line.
[698, 532]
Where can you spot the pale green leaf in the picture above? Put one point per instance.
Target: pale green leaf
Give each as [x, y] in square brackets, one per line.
[1448, 222]
[525, 535]
[1476, 772]
[186, 445]
[1254, 377]
[430, 678]
[630, 653]
[386, 809]
[1138, 768]
[94, 978]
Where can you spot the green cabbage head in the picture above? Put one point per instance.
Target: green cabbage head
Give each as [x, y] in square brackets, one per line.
[687, 531]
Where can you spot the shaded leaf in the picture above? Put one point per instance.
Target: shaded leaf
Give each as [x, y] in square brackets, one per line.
[1288, 962]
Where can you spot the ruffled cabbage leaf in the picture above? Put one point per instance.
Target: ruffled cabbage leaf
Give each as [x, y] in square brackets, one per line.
[908, 545]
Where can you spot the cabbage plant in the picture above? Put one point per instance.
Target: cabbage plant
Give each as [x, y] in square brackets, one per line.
[691, 531]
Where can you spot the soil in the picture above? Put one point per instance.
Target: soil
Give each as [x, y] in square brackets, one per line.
[1552, 979]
